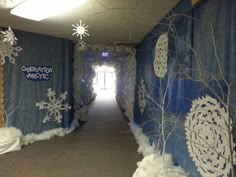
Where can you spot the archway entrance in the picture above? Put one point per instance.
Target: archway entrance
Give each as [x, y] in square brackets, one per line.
[104, 83]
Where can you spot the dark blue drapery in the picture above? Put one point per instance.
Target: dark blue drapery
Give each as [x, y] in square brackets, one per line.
[22, 94]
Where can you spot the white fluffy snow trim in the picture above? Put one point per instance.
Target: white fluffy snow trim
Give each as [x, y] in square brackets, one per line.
[142, 140]
[153, 166]
[46, 135]
[9, 140]
[10, 132]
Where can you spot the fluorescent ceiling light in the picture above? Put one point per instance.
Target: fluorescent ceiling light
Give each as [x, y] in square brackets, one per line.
[40, 9]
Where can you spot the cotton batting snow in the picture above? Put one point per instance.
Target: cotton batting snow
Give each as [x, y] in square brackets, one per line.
[46, 135]
[153, 164]
[142, 140]
[9, 140]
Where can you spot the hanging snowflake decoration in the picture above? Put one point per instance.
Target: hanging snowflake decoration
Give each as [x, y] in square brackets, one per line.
[9, 36]
[54, 106]
[141, 96]
[160, 59]
[80, 30]
[81, 46]
[8, 51]
[207, 131]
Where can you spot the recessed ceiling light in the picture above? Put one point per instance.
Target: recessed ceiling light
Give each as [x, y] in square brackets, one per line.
[40, 9]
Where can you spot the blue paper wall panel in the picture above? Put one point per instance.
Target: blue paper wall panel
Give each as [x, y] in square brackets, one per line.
[21, 94]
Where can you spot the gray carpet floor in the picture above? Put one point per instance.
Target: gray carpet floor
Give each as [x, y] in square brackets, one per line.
[102, 147]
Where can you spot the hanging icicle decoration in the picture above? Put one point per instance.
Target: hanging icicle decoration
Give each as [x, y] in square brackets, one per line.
[207, 128]
[161, 53]
[141, 96]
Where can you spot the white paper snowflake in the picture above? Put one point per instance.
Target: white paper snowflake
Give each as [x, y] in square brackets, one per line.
[80, 30]
[54, 106]
[9, 36]
[8, 51]
[160, 59]
[81, 46]
[141, 96]
[207, 130]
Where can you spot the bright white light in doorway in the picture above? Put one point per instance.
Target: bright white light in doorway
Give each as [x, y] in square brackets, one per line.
[80, 30]
[40, 9]
[104, 83]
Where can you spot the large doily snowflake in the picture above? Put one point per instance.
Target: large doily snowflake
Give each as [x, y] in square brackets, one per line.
[9, 36]
[54, 106]
[207, 129]
[141, 96]
[8, 51]
[80, 30]
[160, 60]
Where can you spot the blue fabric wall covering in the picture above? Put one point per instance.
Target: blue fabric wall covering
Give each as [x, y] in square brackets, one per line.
[21, 94]
[187, 28]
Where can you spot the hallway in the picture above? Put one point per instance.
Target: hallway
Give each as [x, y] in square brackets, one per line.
[100, 148]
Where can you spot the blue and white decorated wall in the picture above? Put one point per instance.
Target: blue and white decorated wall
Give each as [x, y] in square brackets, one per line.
[200, 66]
[38, 87]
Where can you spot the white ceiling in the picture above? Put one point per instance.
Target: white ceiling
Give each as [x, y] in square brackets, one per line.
[109, 20]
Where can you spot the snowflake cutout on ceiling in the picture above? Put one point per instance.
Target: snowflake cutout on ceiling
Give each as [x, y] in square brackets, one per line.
[207, 128]
[8, 51]
[141, 96]
[54, 106]
[80, 30]
[160, 59]
[9, 36]
[81, 46]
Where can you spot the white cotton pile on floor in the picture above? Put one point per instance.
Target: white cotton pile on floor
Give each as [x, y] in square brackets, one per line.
[46, 135]
[153, 164]
[9, 140]
[142, 140]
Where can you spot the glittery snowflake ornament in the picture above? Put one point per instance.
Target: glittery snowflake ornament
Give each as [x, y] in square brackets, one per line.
[160, 60]
[7, 49]
[54, 106]
[207, 128]
[9, 36]
[80, 30]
